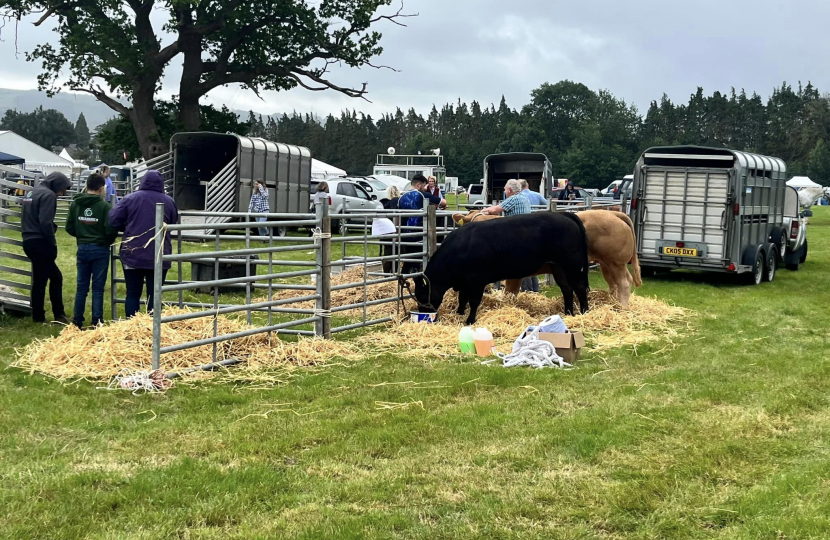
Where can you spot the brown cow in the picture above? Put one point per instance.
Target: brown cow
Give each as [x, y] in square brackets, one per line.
[611, 244]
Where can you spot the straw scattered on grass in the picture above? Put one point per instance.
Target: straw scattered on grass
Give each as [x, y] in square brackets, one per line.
[102, 353]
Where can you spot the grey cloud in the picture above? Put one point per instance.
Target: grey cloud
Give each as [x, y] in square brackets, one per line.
[481, 49]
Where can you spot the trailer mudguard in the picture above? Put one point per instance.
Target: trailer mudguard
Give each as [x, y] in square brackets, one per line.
[750, 253]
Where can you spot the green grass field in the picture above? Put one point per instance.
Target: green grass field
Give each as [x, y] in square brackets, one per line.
[721, 434]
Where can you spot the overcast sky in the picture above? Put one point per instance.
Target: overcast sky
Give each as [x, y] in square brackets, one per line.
[481, 49]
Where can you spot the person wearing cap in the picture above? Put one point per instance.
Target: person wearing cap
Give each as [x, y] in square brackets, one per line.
[41, 247]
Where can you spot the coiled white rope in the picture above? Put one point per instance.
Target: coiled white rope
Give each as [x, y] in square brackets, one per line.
[325, 313]
[140, 381]
[531, 351]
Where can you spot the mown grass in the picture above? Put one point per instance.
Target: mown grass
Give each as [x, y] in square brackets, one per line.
[721, 434]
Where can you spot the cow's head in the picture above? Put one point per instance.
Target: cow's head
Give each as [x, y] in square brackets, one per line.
[428, 298]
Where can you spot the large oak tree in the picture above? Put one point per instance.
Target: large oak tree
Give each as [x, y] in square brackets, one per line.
[112, 50]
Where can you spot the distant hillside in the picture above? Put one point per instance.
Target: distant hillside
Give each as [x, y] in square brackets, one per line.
[71, 105]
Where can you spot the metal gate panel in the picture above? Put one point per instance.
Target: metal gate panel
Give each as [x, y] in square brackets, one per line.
[686, 205]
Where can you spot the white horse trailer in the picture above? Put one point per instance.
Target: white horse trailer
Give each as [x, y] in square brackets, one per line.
[709, 209]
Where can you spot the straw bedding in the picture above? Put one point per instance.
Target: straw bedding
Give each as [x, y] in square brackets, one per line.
[103, 352]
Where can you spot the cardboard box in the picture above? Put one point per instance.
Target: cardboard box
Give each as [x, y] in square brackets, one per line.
[568, 345]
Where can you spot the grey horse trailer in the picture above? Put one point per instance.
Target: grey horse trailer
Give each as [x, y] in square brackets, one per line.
[709, 209]
[215, 172]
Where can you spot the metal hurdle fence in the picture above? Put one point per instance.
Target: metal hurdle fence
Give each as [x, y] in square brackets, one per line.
[409, 246]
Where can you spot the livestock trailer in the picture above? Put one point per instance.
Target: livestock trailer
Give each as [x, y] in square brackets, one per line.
[215, 172]
[709, 209]
[499, 168]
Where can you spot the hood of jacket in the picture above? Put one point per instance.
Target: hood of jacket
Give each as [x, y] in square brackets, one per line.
[87, 200]
[57, 182]
[152, 181]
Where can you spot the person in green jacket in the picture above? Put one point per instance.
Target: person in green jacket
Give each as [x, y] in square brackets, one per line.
[88, 222]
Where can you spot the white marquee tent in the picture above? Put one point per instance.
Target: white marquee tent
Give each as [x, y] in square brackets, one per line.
[321, 171]
[801, 182]
[37, 157]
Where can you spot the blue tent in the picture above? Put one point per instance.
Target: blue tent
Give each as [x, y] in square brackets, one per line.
[8, 159]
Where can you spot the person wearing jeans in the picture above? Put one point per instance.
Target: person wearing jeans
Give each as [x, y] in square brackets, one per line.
[39, 244]
[259, 205]
[135, 215]
[88, 222]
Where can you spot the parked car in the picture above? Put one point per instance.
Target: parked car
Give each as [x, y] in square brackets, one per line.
[794, 252]
[346, 196]
[612, 187]
[624, 188]
[475, 194]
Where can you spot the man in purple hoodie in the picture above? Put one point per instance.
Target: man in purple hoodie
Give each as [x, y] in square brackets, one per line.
[135, 215]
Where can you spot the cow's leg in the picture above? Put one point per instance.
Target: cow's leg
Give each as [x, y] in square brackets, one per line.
[564, 286]
[624, 282]
[610, 277]
[475, 295]
[463, 298]
[512, 286]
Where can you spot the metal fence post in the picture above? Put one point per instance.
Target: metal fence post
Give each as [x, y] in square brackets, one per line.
[158, 282]
[322, 327]
[113, 284]
[622, 203]
[432, 231]
[552, 205]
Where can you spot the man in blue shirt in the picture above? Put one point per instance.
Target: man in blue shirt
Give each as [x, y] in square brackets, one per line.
[536, 199]
[515, 202]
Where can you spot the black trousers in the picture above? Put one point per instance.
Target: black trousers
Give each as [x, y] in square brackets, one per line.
[135, 280]
[44, 270]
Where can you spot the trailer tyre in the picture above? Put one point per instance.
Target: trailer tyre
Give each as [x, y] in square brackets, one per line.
[757, 274]
[771, 265]
[779, 238]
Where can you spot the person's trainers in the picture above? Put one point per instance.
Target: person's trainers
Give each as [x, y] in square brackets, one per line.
[62, 320]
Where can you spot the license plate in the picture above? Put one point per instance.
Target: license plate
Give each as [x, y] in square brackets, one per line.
[679, 252]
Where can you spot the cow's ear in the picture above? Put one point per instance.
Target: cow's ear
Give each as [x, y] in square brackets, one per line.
[458, 218]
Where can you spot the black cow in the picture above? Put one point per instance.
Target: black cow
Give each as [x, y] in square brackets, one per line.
[510, 248]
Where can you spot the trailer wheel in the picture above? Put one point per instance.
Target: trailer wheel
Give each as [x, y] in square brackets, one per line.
[757, 274]
[771, 266]
[779, 238]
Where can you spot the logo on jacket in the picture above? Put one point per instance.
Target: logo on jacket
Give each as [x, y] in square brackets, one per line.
[87, 217]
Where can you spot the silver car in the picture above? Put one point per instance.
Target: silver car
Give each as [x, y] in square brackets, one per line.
[348, 196]
[794, 251]
[475, 194]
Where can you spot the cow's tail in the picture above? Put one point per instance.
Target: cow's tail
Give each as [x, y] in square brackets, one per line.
[635, 261]
[586, 263]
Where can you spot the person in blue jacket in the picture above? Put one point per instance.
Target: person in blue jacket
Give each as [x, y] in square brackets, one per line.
[112, 195]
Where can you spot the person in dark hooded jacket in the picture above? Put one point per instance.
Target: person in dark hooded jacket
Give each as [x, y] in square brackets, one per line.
[135, 215]
[88, 221]
[39, 244]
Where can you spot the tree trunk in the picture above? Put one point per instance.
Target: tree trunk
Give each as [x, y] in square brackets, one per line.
[190, 44]
[144, 124]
